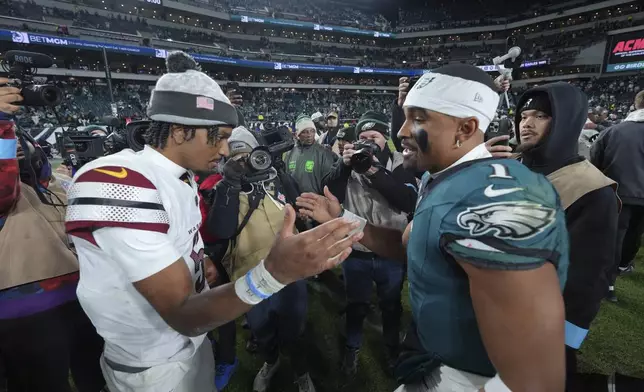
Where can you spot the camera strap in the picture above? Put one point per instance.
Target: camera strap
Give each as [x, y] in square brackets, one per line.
[254, 198]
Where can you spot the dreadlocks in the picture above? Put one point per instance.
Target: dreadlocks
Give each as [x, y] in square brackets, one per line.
[159, 132]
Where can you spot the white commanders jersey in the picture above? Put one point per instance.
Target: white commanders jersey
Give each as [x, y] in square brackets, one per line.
[130, 216]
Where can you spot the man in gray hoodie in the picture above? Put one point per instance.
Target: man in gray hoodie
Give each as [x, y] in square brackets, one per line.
[618, 153]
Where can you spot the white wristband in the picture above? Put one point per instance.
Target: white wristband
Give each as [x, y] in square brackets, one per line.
[495, 384]
[257, 285]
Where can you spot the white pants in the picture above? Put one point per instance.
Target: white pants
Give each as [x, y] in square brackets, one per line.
[196, 374]
[447, 379]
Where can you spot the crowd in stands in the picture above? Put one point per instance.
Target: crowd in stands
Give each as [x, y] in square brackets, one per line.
[451, 14]
[423, 52]
[86, 103]
[323, 12]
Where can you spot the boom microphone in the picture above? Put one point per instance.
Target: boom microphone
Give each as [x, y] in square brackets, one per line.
[28, 59]
[512, 54]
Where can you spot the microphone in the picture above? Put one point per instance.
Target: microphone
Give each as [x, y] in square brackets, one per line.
[28, 59]
[512, 54]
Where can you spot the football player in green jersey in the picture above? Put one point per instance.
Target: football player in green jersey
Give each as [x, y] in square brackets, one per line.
[487, 250]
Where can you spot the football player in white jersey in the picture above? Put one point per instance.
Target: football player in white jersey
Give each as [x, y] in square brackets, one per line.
[134, 219]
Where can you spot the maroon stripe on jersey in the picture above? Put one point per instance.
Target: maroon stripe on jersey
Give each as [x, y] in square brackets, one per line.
[74, 227]
[86, 235]
[116, 175]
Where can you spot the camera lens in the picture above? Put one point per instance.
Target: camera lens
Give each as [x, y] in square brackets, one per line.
[260, 160]
[41, 95]
[135, 136]
[361, 161]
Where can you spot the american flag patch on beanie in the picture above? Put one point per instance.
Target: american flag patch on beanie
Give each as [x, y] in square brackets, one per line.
[205, 103]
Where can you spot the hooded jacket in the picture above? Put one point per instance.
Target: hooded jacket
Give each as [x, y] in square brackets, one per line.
[619, 154]
[589, 199]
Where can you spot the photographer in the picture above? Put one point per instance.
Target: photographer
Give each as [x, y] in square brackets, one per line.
[372, 184]
[328, 138]
[345, 136]
[43, 331]
[320, 124]
[247, 209]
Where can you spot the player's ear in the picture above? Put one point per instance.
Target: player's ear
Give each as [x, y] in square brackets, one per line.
[468, 127]
[178, 134]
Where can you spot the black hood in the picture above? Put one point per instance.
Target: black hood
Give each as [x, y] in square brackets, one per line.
[569, 113]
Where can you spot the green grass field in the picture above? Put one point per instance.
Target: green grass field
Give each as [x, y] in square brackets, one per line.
[615, 344]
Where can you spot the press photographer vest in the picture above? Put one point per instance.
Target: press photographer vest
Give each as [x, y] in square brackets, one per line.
[574, 181]
[256, 239]
[33, 243]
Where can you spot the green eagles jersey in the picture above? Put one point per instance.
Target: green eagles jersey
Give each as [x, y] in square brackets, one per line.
[495, 214]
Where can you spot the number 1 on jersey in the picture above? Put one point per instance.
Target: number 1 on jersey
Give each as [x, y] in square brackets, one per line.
[500, 171]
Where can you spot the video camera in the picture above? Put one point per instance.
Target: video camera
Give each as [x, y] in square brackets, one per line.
[21, 67]
[362, 159]
[78, 148]
[274, 141]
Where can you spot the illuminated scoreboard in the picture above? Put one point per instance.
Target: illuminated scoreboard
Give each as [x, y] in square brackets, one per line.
[625, 52]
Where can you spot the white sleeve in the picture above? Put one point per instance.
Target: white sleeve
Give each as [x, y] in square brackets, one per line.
[139, 253]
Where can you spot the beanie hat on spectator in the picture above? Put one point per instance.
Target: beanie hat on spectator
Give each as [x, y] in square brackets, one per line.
[373, 121]
[303, 122]
[347, 134]
[317, 116]
[187, 96]
[539, 102]
[241, 141]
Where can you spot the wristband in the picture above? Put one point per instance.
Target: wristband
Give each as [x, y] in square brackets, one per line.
[495, 384]
[257, 285]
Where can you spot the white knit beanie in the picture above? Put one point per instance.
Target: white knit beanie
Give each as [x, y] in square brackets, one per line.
[303, 122]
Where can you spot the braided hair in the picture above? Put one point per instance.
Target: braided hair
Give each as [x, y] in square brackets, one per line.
[157, 135]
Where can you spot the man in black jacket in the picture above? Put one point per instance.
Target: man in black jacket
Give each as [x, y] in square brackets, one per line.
[384, 195]
[618, 153]
[548, 124]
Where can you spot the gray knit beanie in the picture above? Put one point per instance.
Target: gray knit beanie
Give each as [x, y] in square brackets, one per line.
[187, 96]
[242, 141]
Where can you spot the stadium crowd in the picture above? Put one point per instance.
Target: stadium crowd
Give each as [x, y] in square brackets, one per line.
[87, 103]
[421, 52]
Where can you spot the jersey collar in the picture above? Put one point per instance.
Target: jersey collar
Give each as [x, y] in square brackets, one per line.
[478, 152]
[160, 160]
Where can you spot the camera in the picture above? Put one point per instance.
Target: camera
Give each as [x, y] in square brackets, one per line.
[274, 141]
[500, 127]
[21, 67]
[362, 159]
[78, 148]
